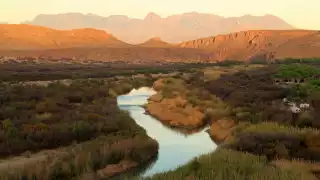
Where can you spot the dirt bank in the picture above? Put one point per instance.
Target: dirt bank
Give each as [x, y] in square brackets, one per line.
[175, 112]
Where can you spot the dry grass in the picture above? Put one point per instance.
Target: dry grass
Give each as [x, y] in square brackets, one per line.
[272, 127]
[231, 165]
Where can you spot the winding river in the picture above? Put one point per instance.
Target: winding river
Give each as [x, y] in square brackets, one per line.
[175, 148]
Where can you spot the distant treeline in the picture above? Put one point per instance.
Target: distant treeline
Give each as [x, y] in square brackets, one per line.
[264, 61]
[43, 72]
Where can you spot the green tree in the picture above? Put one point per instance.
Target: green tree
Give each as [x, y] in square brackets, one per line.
[9, 128]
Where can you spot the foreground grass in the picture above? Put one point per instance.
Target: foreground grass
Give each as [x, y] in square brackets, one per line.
[231, 165]
[73, 161]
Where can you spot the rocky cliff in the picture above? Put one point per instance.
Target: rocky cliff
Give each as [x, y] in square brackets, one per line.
[246, 45]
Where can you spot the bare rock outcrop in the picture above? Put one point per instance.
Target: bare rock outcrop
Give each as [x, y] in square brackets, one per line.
[247, 45]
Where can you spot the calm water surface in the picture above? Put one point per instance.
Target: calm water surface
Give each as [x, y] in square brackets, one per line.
[175, 148]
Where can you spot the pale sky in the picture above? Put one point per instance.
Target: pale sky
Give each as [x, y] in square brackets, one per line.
[303, 14]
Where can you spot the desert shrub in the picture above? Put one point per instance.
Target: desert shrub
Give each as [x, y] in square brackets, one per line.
[74, 99]
[297, 71]
[9, 129]
[218, 113]
[112, 93]
[77, 112]
[192, 100]
[305, 120]
[82, 118]
[228, 63]
[87, 157]
[255, 90]
[277, 141]
[272, 127]
[167, 92]
[228, 164]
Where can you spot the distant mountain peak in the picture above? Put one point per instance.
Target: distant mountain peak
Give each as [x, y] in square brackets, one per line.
[155, 42]
[155, 39]
[90, 14]
[174, 28]
[152, 16]
[270, 15]
[72, 14]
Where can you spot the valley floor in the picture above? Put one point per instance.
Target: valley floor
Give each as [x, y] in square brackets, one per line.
[75, 129]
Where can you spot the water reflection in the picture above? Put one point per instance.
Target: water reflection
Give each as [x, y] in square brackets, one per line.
[175, 148]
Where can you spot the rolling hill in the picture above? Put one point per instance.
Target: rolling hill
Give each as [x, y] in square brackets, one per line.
[15, 36]
[155, 42]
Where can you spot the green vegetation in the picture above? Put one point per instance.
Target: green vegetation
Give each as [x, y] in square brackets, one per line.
[228, 63]
[270, 127]
[84, 129]
[267, 128]
[38, 117]
[188, 92]
[232, 165]
[82, 117]
[300, 71]
[298, 60]
[46, 72]
[84, 158]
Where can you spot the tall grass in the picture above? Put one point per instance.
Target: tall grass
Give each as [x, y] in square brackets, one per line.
[272, 127]
[84, 158]
[231, 165]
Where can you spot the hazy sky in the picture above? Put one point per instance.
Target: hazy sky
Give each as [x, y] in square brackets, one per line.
[300, 13]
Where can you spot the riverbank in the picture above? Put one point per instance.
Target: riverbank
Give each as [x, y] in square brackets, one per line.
[80, 160]
[225, 164]
[173, 113]
[173, 143]
[174, 106]
[189, 120]
[248, 113]
[67, 131]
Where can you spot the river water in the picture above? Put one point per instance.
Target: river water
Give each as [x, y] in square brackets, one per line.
[175, 148]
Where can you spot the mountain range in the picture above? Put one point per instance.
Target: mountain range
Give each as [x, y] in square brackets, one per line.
[22, 40]
[173, 29]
